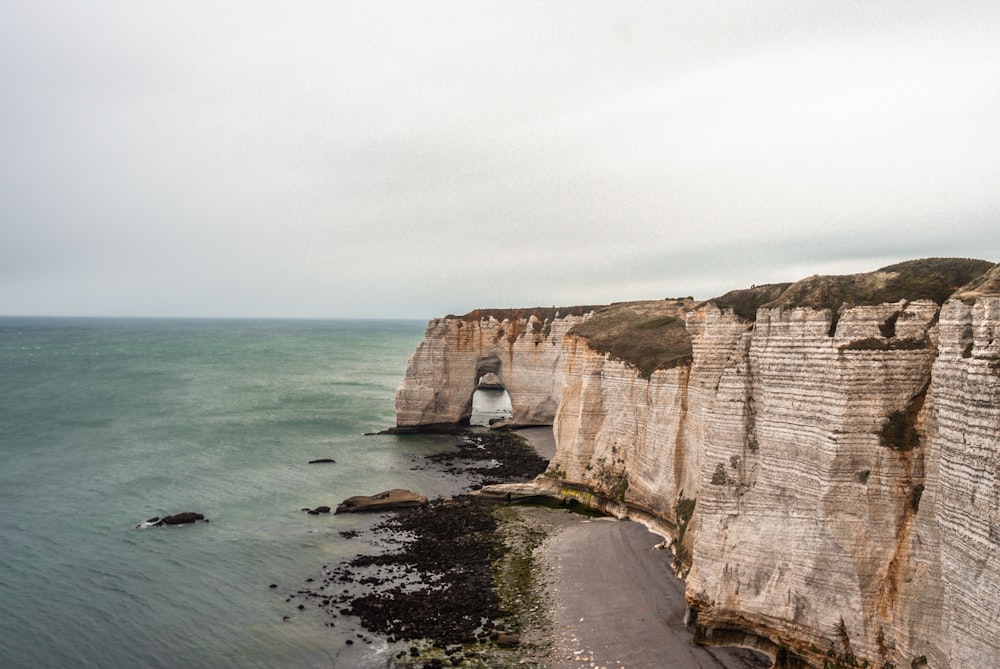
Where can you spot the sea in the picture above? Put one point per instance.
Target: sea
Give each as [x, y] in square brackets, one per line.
[105, 423]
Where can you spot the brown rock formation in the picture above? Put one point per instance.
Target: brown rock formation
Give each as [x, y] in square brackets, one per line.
[397, 498]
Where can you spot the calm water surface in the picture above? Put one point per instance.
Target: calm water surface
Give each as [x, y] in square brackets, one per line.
[106, 423]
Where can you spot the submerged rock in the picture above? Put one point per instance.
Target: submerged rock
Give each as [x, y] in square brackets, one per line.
[185, 518]
[182, 518]
[397, 498]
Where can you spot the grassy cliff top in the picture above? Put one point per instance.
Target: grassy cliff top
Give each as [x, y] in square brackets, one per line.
[745, 302]
[648, 335]
[927, 279]
[986, 284]
[651, 335]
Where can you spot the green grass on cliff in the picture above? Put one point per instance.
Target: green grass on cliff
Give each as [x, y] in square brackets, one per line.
[648, 335]
[934, 279]
[986, 284]
[651, 335]
[746, 302]
[930, 278]
[927, 279]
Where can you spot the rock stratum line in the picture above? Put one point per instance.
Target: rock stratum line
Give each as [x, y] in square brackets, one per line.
[824, 456]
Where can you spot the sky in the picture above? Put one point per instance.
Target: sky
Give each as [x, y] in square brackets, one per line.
[413, 159]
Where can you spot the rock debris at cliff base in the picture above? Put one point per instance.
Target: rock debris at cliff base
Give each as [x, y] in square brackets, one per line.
[433, 592]
[438, 585]
[503, 457]
[454, 585]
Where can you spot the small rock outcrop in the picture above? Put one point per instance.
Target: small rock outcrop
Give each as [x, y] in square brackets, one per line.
[389, 500]
[318, 510]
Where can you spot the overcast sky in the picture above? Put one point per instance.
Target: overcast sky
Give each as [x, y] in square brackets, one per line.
[413, 159]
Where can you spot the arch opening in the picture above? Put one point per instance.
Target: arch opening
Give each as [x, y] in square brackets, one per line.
[490, 405]
[490, 401]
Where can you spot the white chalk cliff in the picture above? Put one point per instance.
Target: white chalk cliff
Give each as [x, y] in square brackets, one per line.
[826, 465]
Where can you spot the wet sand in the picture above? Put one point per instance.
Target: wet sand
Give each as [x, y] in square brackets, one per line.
[541, 439]
[615, 601]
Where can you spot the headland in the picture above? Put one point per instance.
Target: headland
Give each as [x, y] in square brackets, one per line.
[821, 455]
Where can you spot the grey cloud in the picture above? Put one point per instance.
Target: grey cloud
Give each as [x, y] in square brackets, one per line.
[339, 159]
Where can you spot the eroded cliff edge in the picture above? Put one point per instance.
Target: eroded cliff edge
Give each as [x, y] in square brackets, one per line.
[824, 455]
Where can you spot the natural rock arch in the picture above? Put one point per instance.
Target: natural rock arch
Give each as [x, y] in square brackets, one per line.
[490, 401]
[522, 347]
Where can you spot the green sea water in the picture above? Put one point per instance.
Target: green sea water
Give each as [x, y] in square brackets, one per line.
[105, 423]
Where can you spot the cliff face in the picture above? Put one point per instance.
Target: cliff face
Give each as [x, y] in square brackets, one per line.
[813, 473]
[634, 439]
[965, 447]
[829, 473]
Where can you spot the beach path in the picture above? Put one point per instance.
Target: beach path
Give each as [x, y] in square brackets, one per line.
[617, 604]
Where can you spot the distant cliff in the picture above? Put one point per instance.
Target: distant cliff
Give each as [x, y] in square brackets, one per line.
[825, 455]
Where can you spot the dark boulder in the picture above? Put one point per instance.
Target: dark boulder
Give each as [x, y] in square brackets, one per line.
[318, 510]
[181, 519]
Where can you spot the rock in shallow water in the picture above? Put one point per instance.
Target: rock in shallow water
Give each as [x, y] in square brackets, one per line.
[397, 498]
[184, 518]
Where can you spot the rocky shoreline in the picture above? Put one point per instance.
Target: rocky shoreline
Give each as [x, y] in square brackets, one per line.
[465, 582]
[451, 583]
